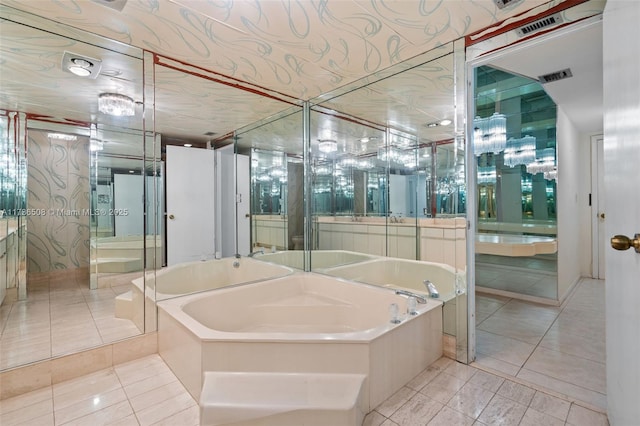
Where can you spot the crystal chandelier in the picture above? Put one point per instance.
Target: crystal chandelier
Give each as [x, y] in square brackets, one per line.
[545, 161]
[328, 146]
[520, 151]
[116, 104]
[490, 134]
[486, 175]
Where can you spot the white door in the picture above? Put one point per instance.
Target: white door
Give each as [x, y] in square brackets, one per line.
[190, 204]
[598, 216]
[243, 200]
[622, 192]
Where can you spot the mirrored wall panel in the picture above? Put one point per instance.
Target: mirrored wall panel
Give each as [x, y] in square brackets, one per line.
[515, 150]
[72, 229]
[388, 192]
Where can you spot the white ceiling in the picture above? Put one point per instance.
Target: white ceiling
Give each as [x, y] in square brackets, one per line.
[578, 48]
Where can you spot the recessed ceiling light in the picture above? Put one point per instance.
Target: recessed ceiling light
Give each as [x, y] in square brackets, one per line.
[79, 71]
[131, 171]
[80, 65]
[188, 145]
[432, 125]
[365, 139]
[445, 122]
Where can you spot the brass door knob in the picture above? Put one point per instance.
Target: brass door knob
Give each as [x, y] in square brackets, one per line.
[622, 242]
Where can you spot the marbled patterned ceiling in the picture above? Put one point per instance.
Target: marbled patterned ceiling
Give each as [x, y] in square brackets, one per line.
[297, 50]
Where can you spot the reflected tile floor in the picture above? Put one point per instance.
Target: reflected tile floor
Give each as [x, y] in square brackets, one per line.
[60, 316]
[558, 348]
[536, 277]
[146, 392]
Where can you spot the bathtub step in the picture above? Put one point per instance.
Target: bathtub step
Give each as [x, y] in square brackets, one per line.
[124, 305]
[281, 399]
[118, 264]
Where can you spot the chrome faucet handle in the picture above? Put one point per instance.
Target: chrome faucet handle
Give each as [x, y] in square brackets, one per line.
[431, 288]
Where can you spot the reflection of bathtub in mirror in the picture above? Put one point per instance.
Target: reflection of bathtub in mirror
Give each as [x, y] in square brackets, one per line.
[191, 277]
[320, 259]
[305, 323]
[410, 274]
[124, 254]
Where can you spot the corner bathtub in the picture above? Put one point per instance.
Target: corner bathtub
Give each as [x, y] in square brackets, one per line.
[409, 274]
[302, 323]
[320, 259]
[193, 277]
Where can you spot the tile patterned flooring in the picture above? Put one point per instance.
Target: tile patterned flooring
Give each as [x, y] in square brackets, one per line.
[559, 348]
[146, 392]
[559, 351]
[60, 316]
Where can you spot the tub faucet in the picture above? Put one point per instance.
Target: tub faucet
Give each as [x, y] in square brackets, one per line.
[420, 299]
[433, 291]
[236, 263]
[253, 253]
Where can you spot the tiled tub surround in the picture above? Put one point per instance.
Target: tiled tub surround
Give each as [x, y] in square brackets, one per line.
[320, 259]
[303, 323]
[440, 240]
[410, 274]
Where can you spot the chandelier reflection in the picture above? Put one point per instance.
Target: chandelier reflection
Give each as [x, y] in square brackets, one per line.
[490, 134]
[520, 151]
[545, 161]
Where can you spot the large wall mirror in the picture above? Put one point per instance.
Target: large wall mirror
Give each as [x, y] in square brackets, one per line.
[73, 224]
[388, 192]
[515, 151]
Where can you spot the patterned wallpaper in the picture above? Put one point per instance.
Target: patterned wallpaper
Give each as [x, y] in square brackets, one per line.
[58, 183]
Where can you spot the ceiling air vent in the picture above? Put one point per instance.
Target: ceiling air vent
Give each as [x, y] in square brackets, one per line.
[540, 24]
[504, 3]
[555, 76]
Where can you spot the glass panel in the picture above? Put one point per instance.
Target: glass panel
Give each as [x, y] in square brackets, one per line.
[411, 175]
[55, 193]
[273, 148]
[516, 185]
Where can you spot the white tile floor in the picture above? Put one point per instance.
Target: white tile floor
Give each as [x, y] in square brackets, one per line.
[145, 392]
[559, 348]
[60, 316]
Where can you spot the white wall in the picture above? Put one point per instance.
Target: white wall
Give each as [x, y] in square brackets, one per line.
[570, 244]
[584, 212]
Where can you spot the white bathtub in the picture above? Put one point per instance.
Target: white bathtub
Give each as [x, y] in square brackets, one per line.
[410, 274]
[304, 322]
[320, 259]
[193, 277]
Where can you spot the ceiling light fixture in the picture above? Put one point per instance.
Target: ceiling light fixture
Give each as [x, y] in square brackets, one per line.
[62, 136]
[188, 145]
[328, 146]
[116, 104]
[82, 66]
[445, 122]
[96, 145]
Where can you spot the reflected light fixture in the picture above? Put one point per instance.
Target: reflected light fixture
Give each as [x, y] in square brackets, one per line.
[328, 146]
[490, 134]
[116, 104]
[188, 145]
[445, 122]
[95, 145]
